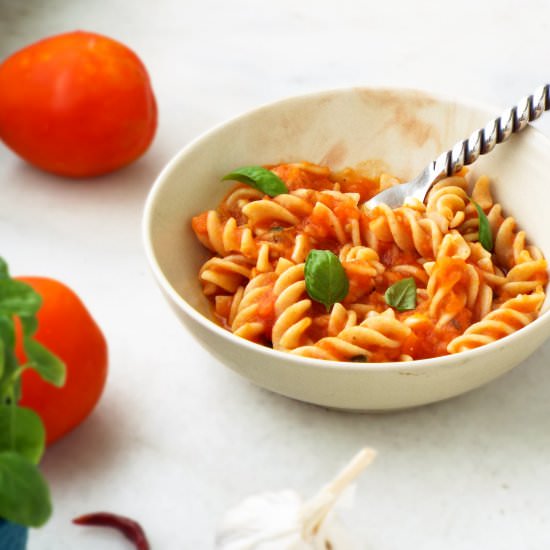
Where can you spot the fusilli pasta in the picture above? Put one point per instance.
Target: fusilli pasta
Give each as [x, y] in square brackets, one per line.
[466, 296]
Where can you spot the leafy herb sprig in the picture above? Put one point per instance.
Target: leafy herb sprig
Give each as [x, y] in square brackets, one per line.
[259, 178]
[24, 494]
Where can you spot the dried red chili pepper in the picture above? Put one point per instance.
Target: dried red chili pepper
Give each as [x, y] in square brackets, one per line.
[128, 527]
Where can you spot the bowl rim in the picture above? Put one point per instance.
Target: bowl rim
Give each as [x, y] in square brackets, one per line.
[209, 324]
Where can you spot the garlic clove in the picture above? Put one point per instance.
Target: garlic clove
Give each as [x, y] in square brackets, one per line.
[268, 521]
[283, 521]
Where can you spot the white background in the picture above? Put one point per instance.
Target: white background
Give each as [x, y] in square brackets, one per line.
[177, 438]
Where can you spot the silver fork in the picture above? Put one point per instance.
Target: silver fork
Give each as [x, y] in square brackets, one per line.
[465, 152]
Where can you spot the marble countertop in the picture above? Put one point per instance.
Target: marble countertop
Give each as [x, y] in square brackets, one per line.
[177, 438]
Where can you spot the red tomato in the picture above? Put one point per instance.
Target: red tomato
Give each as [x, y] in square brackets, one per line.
[67, 329]
[76, 104]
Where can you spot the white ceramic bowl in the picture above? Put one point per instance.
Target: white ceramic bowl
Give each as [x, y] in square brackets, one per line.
[341, 128]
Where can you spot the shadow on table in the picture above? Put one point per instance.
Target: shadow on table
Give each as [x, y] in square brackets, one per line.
[509, 415]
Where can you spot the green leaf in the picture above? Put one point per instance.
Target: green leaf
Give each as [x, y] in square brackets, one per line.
[10, 382]
[402, 295]
[7, 331]
[29, 324]
[485, 233]
[22, 431]
[260, 178]
[359, 359]
[18, 298]
[24, 494]
[4, 271]
[326, 279]
[10, 387]
[7, 337]
[43, 361]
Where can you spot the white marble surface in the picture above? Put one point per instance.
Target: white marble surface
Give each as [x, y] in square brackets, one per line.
[177, 439]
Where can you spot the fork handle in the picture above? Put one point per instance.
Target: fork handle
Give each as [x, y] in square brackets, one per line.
[485, 139]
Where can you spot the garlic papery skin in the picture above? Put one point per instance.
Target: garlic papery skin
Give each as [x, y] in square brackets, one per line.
[283, 521]
[268, 521]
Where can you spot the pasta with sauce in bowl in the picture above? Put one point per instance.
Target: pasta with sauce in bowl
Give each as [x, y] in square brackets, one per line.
[466, 293]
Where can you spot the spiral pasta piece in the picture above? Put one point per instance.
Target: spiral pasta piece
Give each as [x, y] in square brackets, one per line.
[249, 318]
[341, 318]
[363, 268]
[285, 209]
[453, 286]
[225, 237]
[511, 316]
[361, 342]
[226, 273]
[446, 203]
[336, 215]
[528, 273]
[406, 228]
[239, 197]
[291, 308]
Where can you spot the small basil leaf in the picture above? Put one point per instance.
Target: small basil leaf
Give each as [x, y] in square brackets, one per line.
[260, 178]
[359, 359]
[24, 495]
[402, 295]
[18, 298]
[326, 279]
[43, 361]
[485, 233]
[22, 431]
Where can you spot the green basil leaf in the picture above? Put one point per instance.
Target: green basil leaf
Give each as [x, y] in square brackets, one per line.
[402, 295]
[29, 324]
[43, 361]
[7, 331]
[9, 361]
[18, 298]
[485, 233]
[22, 431]
[359, 359]
[10, 389]
[326, 279]
[4, 271]
[260, 178]
[17, 388]
[24, 494]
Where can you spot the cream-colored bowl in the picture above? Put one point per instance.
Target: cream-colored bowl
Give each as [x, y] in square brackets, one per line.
[341, 128]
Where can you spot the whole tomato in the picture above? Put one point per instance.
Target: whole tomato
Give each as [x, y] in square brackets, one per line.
[76, 104]
[66, 328]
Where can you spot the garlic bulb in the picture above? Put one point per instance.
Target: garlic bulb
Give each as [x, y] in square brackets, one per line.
[283, 521]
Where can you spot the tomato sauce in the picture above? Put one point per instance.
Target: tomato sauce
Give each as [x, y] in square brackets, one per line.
[447, 296]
